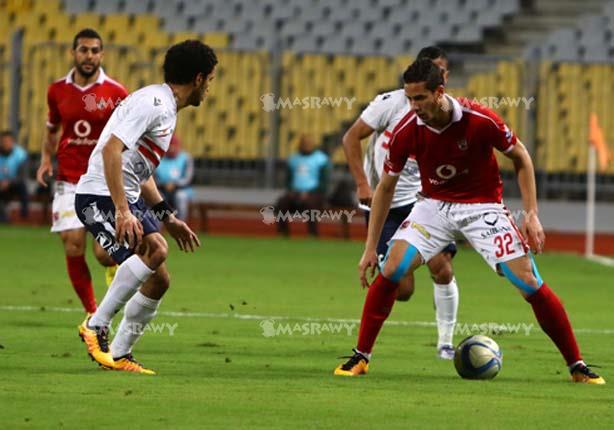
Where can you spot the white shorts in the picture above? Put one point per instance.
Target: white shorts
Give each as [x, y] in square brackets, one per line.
[488, 227]
[63, 208]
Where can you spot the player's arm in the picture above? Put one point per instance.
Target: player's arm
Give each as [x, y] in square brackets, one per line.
[184, 236]
[526, 182]
[380, 205]
[353, 153]
[49, 148]
[128, 227]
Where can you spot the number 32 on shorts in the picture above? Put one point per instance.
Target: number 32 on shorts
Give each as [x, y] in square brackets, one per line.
[503, 242]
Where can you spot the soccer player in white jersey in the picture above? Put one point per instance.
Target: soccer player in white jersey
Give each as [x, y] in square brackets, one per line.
[378, 121]
[118, 202]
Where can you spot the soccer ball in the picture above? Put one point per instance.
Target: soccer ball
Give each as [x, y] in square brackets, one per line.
[478, 357]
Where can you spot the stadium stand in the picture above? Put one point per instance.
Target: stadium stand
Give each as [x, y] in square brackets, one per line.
[346, 51]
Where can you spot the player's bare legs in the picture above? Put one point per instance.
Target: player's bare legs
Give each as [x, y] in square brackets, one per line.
[78, 271]
[406, 288]
[101, 255]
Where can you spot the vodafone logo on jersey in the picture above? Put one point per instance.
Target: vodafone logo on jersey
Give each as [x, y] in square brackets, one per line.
[446, 171]
[82, 130]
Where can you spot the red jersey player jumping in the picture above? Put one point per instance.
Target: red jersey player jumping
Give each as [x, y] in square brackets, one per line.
[79, 106]
[453, 140]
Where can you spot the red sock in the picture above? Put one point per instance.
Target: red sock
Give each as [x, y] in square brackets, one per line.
[553, 319]
[81, 280]
[378, 304]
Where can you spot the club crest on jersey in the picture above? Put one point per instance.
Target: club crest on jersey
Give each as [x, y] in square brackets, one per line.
[157, 101]
[462, 144]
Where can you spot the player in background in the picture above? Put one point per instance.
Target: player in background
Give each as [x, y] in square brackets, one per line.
[378, 121]
[79, 106]
[453, 141]
[117, 198]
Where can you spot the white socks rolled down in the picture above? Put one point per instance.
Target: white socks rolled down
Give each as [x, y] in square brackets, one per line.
[129, 276]
[139, 311]
[446, 308]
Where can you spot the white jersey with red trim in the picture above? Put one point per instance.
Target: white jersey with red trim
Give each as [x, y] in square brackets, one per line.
[144, 122]
[382, 115]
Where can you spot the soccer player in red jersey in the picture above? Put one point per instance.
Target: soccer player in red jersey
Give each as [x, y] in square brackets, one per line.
[79, 106]
[453, 140]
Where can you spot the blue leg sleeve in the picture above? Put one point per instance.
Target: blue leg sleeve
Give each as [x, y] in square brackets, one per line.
[518, 283]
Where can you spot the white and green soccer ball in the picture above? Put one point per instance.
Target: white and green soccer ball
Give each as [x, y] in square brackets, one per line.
[478, 357]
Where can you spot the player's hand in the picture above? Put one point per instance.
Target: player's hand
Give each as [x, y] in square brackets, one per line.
[534, 232]
[184, 236]
[364, 194]
[367, 261]
[45, 169]
[128, 229]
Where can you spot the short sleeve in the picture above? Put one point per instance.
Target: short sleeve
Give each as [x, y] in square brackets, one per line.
[133, 117]
[505, 138]
[376, 113]
[53, 117]
[501, 136]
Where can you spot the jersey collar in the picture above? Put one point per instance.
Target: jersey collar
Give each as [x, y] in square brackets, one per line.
[457, 114]
[101, 78]
[171, 95]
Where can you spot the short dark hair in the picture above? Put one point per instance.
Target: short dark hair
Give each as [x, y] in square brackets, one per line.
[185, 60]
[86, 33]
[432, 53]
[7, 133]
[424, 71]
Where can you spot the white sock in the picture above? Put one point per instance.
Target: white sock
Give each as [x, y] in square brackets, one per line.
[139, 311]
[446, 307]
[129, 276]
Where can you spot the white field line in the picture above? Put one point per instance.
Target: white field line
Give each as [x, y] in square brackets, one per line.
[267, 317]
[606, 261]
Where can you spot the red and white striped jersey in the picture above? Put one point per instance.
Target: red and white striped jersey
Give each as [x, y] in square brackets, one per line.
[144, 122]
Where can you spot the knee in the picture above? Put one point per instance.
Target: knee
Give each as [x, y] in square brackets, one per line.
[390, 268]
[523, 278]
[73, 246]
[162, 280]
[157, 250]
[103, 258]
[406, 289]
[443, 275]
[526, 277]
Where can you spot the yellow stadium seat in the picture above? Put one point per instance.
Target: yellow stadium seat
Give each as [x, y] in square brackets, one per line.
[216, 39]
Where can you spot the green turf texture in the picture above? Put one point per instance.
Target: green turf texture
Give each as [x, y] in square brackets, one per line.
[219, 371]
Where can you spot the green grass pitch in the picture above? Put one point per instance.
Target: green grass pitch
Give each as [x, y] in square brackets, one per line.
[226, 367]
